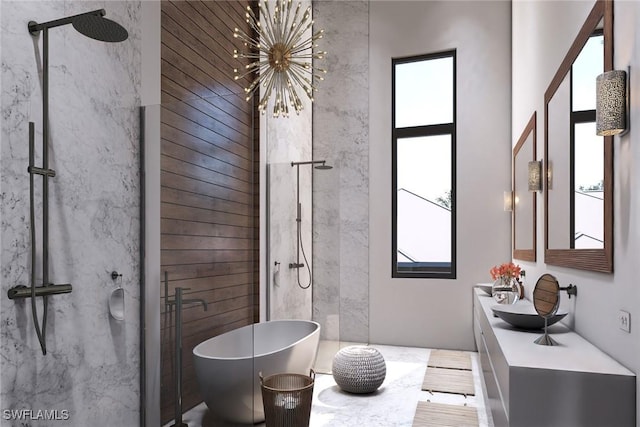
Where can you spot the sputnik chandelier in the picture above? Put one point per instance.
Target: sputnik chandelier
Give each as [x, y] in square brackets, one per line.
[281, 55]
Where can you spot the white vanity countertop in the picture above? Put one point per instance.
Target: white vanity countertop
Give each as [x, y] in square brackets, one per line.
[573, 353]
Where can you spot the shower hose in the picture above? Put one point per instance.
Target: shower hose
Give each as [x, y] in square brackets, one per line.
[40, 332]
[306, 263]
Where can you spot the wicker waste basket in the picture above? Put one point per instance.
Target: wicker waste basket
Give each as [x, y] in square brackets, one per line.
[287, 399]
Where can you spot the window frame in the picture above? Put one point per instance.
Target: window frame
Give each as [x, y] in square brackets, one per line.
[430, 272]
[577, 117]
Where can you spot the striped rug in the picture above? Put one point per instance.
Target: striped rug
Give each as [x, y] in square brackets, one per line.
[429, 414]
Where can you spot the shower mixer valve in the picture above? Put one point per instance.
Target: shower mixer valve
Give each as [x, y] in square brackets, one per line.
[296, 265]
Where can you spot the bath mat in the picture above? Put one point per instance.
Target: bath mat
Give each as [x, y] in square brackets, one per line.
[450, 359]
[445, 380]
[429, 414]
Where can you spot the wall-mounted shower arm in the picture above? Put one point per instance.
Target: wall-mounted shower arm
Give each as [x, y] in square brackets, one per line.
[311, 162]
[35, 27]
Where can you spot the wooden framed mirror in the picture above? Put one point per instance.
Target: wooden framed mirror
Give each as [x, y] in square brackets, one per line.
[578, 165]
[524, 206]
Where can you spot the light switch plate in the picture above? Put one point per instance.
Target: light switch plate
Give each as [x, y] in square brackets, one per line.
[624, 321]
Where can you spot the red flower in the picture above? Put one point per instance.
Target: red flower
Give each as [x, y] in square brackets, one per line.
[505, 271]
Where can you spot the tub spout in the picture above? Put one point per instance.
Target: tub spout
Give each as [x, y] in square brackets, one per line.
[196, 301]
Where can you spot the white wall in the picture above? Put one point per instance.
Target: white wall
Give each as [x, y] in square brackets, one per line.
[92, 366]
[542, 34]
[429, 312]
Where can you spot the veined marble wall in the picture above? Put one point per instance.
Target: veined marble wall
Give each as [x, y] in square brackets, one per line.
[286, 140]
[341, 135]
[287, 298]
[92, 366]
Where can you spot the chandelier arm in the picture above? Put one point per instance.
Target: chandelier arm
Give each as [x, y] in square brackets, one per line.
[239, 34]
[269, 32]
[296, 34]
[304, 83]
[293, 27]
[286, 22]
[307, 43]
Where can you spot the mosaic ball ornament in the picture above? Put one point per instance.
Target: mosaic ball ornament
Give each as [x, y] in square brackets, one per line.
[359, 369]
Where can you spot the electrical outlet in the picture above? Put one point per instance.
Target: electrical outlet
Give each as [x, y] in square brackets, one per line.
[624, 321]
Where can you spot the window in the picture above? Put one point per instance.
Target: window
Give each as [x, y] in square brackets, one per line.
[587, 149]
[423, 169]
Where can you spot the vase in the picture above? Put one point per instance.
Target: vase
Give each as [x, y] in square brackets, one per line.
[506, 290]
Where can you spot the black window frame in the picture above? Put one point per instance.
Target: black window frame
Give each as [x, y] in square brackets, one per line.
[576, 117]
[431, 270]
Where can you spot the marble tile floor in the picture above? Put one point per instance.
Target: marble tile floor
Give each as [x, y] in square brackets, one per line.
[393, 405]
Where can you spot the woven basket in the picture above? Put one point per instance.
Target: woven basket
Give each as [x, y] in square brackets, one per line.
[359, 369]
[287, 399]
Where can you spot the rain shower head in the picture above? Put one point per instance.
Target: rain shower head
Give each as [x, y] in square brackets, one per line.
[100, 28]
[324, 167]
[92, 24]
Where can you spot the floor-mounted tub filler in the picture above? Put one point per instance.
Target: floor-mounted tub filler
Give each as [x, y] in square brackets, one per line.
[228, 366]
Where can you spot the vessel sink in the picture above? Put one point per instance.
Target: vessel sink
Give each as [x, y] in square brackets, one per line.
[522, 315]
[488, 289]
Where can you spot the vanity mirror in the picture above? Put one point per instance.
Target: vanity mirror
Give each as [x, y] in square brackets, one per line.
[546, 300]
[578, 164]
[524, 206]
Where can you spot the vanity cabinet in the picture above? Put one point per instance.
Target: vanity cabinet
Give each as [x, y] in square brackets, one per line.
[573, 384]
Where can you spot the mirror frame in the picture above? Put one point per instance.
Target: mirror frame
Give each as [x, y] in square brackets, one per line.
[585, 259]
[530, 129]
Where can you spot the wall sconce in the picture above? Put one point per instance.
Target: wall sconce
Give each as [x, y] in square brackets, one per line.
[508, 201]
[611, 103]
[535, 175]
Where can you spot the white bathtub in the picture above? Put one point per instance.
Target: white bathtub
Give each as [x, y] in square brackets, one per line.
[227, 366]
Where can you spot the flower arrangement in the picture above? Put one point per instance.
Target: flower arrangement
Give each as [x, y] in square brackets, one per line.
[506, 272]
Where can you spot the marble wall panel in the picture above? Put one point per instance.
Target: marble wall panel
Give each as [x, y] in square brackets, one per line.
[288, 139]
[92, 366]
[341, 135]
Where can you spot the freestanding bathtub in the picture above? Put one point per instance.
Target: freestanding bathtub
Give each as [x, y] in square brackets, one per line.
[228, 366]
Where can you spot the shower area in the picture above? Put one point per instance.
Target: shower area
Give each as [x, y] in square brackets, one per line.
[305, 273]
[302, 280]
[246, 217]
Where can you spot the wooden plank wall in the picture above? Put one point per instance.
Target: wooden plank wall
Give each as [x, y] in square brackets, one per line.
[209, 179]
